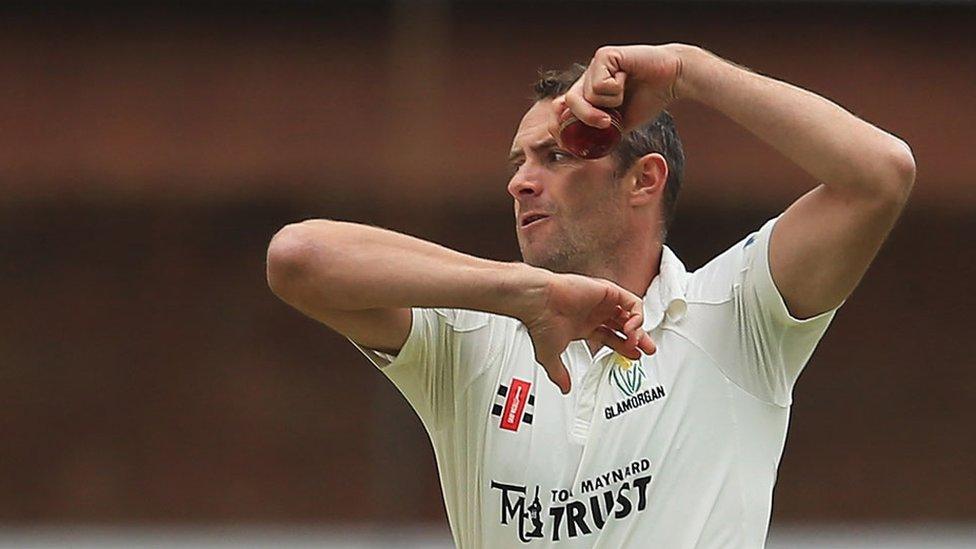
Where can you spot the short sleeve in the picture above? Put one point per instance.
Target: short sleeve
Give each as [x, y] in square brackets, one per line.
[444, 350]
[767, 347]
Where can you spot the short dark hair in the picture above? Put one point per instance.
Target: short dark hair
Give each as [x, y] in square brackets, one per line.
[658, 136]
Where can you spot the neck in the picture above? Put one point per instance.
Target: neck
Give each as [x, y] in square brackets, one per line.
[632, 271]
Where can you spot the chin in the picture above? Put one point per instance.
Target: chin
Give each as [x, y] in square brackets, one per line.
[546, 255]
[534, 260]
[530, 260]
[549, 262]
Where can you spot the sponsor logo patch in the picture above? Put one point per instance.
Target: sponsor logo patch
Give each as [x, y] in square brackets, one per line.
[514, 404]
[566, 513]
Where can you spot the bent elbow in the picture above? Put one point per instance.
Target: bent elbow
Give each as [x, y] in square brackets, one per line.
[903, 163]
[291, 255]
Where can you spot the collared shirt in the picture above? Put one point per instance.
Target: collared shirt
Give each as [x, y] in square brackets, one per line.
[678, 449]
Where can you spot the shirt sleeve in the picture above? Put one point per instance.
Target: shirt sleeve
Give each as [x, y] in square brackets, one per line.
[445, 349]
[768, 347]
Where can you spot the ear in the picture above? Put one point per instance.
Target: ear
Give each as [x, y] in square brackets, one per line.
[648, 177]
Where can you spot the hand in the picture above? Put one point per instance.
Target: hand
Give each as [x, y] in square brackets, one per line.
[640, 81]
[578, 307]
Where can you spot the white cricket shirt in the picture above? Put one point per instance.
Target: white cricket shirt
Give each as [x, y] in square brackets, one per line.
[678, 449]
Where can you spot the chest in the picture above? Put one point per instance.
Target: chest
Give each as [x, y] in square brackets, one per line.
[619, 412]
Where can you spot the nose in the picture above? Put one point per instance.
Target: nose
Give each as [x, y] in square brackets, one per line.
[524, 184]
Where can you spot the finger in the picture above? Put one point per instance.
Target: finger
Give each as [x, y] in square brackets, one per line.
[604, 79]
[619, 318]
[632, 328]
[558, 108]
[622, 312]
[627, 316]
[557, 373]
[607, 337]
[646, 344]
[585, 112]
[606, 88]
[633, 335]
[629, 303]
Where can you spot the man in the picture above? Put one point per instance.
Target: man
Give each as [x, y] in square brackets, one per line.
[666, 416]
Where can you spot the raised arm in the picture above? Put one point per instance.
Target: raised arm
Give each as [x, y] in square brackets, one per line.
[362, 281]
[824, 242]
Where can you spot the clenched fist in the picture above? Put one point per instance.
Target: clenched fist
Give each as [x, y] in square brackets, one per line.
[640, 81]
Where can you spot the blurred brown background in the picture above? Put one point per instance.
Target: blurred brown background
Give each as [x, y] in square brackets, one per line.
[148, 154]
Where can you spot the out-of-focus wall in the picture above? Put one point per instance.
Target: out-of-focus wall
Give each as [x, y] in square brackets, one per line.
[148, 155]
[424, 97]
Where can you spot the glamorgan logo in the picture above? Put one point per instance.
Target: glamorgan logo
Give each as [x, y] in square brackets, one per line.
[517, 405]
[628, 375]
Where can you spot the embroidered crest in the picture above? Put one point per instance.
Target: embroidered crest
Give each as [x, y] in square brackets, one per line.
[628, 375]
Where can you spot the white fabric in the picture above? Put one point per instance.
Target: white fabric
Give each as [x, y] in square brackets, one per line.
[680, 450]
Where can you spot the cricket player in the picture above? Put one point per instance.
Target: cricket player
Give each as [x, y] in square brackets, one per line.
[599, 394]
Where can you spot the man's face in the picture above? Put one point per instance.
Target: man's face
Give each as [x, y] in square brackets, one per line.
[584, 208]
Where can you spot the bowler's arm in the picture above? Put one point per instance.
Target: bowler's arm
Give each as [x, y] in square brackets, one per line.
[361, 281]
[824, 242]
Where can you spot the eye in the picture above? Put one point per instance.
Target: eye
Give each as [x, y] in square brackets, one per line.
[514, 166]
[559, 156]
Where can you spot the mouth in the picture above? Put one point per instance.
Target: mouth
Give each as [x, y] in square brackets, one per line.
[533, 219]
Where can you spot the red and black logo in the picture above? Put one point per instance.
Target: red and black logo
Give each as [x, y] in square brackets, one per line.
[518, 405]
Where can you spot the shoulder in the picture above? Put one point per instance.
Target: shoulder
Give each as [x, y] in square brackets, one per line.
[716, 281]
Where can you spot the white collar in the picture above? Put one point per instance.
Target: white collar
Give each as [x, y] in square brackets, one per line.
[666, 294]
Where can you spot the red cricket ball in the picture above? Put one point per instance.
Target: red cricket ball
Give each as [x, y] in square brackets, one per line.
[587, 141]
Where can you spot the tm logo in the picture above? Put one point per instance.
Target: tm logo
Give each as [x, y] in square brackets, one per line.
[517, 510]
